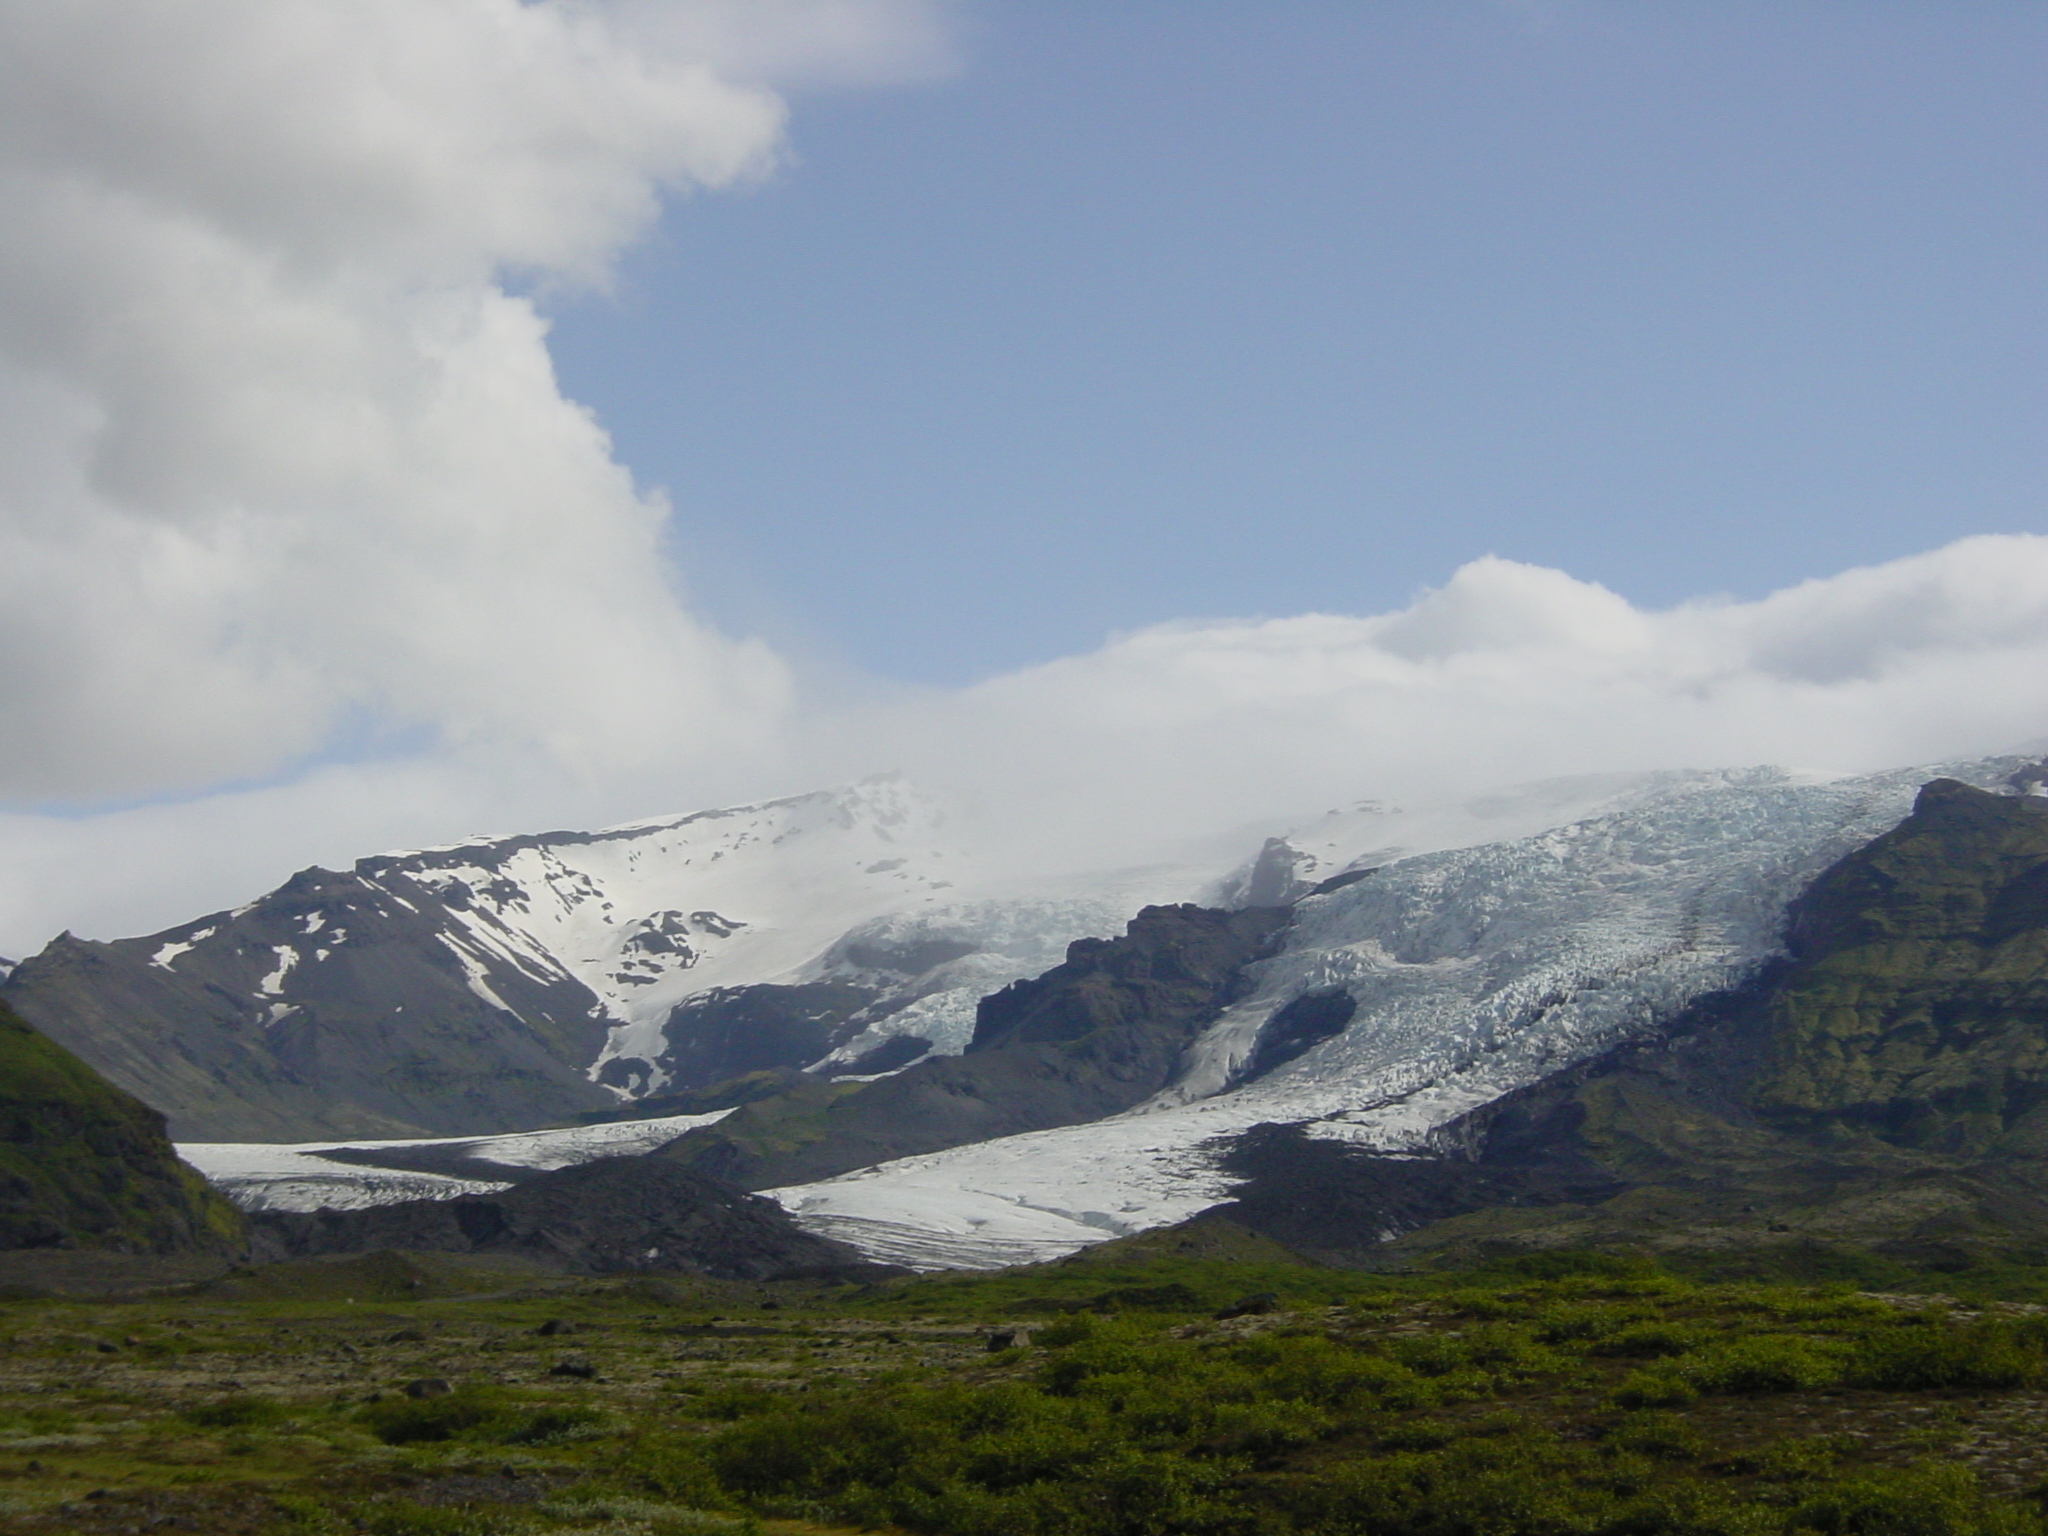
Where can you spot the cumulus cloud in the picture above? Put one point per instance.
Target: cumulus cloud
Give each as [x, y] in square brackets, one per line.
[282, 459]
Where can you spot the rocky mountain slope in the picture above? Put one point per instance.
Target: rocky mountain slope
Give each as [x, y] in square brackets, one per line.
[1885, 1083]
[524, 981]
[1411, 971]
[1101, 1032]
[85, 1166]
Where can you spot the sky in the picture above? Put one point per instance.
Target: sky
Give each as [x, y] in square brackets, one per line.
[427, 417]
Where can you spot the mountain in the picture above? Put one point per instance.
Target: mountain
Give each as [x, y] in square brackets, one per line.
[85, 1166]
[1883, 1083]
[999, 1074]
[1407, 990]
[526, 981]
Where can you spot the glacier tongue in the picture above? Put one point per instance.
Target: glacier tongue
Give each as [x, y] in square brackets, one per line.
[1475, 970]
[269, 1176]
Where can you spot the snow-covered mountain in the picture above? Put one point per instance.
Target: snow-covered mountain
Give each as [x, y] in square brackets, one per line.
[519, 981]
[1462, 973]
[1433, 959]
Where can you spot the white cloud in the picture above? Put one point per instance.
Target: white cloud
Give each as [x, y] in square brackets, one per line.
[285, 477]
[1508, 673]
[799, 42]
[280, 454]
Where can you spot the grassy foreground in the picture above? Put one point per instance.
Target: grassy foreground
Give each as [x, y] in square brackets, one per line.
[1562, 1396]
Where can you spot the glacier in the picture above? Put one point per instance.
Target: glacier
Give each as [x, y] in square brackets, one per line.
[1482, 944]
[1475, 970]
[274, 1176]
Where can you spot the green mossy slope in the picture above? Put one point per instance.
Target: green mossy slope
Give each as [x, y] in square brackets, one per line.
[84, 1165]
[1918, 1010]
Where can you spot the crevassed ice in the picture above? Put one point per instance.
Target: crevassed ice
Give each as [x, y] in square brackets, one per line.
[1475, 970]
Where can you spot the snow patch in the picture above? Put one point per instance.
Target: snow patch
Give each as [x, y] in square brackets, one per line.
[271, 985]
[169, 953]
[267, 1176]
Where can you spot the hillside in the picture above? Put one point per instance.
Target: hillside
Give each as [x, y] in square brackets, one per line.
[85, 1166]
[1885, 1084]
[1417, 974]
[1102, 1032]
[618, 1214]
[1407, 990]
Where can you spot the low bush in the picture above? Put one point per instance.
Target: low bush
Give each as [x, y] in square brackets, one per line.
[1926, 1500]
[1781, 1362]
[241, 1411]
[461, 1413]
[1993, 1355]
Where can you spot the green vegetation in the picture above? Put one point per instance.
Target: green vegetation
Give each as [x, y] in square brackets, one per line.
[1921, 1015]
[1555, 1395]
[84, 1165]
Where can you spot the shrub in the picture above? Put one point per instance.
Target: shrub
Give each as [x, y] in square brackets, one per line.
[1649, 1341]
[546, 1424]
[237, 1412]
[1993, 1355]
[1924, 1500]
[1770, 1362]
[1654, 1389]
[1574, 1323]
[1659, 1436]
[410, 1421]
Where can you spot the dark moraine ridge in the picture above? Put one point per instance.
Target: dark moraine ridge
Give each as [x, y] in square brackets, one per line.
[615, 1215]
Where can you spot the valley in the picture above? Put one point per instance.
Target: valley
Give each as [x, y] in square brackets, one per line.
[1672, 1167]
[1138, 1389]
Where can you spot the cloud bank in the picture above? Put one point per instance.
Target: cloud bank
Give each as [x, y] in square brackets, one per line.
[1199, 734]
[303, 549]
[1507, 673]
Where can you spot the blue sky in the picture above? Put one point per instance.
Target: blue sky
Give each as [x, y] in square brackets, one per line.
[1429, 396]
[1177, 308]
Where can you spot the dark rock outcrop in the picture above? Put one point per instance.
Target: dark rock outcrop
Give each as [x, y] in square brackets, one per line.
[616, 1215]
[1298, 1027]
[85, 1166]
[1092, 1037]
[730, 1032]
